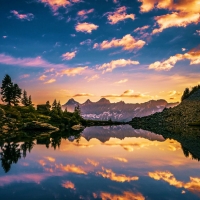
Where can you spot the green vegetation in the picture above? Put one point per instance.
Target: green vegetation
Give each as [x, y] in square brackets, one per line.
[187, 92]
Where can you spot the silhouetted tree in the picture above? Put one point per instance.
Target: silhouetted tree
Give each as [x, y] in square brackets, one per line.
[77, 110]
[30, 100]
[48, 105]
[54, 105]
[25, 100]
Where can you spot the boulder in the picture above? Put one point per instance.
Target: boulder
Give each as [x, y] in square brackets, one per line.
[35, 125]
[77, 127]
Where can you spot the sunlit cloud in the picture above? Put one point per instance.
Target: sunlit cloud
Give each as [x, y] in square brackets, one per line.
[121, 159]
[92, 78]
[72, 168]
[85, 27]
[83, 13]
[92, 162]
[28, 16]
[126, 195]
[25, 76]
[83, 95]
[141, 29]
[50, 159]
[183, 49]
[108, 67]
[128, 42]
[108, 173]
[73, 71]
[119, 15]
[122, 81]
[68, 185]
[42, 78]
[129, 94]
[69, 55]
[193, 56]
[52, 80]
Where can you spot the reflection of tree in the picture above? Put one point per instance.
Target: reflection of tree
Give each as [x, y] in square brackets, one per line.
[27, 146]
[10, 154]
[185, 151]
[55, 142]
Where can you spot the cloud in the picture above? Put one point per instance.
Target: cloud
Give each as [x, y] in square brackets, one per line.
[83, 13]
[198, 32]
[95, 77]
[122, 81]
[126, 195]
[68, 185]
[72, 168]
[108, 173]
[73, 71]
[83, 95]
[127, 43]
[183, 49]
[5, 36]
[42, 78]
[28, 16]
[25, 76]
[141, 29]
[129, 94]
[119, 15]
[41, 162]
[121, 159]
[175, 19]
[193, 56]
[87, 42]
[108, 67]
[69, 55]
[85, 27]
[28, 62]
[92, 162]
[50, 159]
[50, 81]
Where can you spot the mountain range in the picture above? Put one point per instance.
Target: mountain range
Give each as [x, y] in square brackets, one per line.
[120, 111]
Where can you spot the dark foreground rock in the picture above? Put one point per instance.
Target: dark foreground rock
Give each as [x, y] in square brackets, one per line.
[35, 125]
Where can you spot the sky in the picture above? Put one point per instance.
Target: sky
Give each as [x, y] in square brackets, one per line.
[123, 50]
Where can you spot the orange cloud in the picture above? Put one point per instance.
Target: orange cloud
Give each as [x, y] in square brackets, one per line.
[51, 159]
[73, 71]
[69, 55]
[193, 56]
[95, 77]
[175, 19]
[55, 4]
[92, 162]
[108, 173]
[85, 27]
[122, 81]
[108, 67]
[50, 81]
[41, 162]
[85, 12]
[68, 185]
[141, 29]
[119, 15]
[42, 77]
[83, 95]
[125, 196]
[127, 43]
[28, 16]
[121, 159]
[72, 168]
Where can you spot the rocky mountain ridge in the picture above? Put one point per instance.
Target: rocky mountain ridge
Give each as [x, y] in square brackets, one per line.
[120, 111]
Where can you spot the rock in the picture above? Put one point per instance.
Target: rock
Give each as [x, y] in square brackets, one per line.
[2, 112]
[77, 127]
[35, 125]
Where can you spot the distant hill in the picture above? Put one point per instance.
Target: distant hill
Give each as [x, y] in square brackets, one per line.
[120, 111]
[187, 112]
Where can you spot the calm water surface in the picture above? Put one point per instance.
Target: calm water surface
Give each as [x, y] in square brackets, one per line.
[115, 162]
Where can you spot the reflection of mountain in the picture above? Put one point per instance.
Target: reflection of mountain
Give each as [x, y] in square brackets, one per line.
[120, 111]
[104, 133]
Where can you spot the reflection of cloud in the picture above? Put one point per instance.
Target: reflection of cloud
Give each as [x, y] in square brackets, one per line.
[71, 168]
[193, 185]
[92, 162]
[121, 159]
[85, 27]
[125, 196]
[119, 15]
[68, 185]
[41, 162]
[50, 159]
[108, 67]
[83, 145]
[127, 43]
[108, 173]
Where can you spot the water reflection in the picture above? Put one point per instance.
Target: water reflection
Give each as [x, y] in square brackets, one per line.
[116, 162]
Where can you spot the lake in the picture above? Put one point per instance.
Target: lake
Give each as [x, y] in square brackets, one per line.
[116, 163]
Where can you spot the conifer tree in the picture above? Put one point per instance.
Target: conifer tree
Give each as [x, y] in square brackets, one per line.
[48, 106]
[54, 105]
[77, 110]
[30, 100]
[25, 100]
[16, 94]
